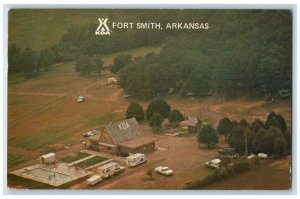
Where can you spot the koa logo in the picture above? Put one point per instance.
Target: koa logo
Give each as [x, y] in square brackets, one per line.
[102, 28]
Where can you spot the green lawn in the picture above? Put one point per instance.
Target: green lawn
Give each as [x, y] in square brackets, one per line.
[77, 156]
[15, 159]
[91, 161]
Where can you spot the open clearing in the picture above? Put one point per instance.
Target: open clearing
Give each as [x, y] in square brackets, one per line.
[44, 116]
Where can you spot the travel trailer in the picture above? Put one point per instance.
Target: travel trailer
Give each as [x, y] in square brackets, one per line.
[135, 159]
[110, 169]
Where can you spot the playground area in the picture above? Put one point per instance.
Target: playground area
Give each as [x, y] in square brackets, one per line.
[54, 175]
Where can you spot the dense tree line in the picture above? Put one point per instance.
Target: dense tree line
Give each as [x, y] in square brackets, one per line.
[244, 52]
[270, 137]
[28, 61]
[87, 65]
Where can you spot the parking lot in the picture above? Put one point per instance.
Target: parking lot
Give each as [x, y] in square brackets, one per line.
[181, 154]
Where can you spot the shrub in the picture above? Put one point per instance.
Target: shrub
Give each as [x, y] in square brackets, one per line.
[156, 120]
[175, 116]
[158, 106]
[135, 110]
[242, 166]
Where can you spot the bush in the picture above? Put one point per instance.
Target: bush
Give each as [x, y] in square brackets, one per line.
[135, 110]
[242, 166]
[156, 120]
[158, 106]
[175, 116]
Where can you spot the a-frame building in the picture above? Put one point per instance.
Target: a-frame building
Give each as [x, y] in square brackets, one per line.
[122, 138]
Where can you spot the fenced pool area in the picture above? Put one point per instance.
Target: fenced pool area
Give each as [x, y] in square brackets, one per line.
[54, 175]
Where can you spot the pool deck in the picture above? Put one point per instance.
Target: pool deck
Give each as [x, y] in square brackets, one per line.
[71, 173]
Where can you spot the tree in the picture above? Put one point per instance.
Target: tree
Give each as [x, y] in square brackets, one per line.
[46, 58]
[257, 125]
[156, 120]
[276, 120]
[274, 133]
[175, 116]
[236, 139]
[288, 140]
[243, 123]
[208, 135]
[14, 59]
[29, 61]
[262, 143]
[83, 65]
[158, 106]
[279, 148]
[224, 126]
[97, 64]
[135, 110]
[119, 62]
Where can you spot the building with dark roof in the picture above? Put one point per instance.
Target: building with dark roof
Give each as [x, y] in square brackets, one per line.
[122, 138]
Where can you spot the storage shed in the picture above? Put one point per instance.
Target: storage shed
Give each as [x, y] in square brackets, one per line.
[47, 158]
[192, 124]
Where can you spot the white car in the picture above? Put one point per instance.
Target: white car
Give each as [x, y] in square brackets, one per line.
[213, 164]
[80, 99]
[164, 171]
[91, 133]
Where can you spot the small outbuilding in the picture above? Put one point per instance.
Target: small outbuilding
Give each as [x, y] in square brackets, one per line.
[47, 158]
[192, 124]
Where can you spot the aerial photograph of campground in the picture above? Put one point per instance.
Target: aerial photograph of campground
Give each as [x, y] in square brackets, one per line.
[149, 99]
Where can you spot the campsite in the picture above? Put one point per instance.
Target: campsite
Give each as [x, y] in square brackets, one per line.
[45, 117]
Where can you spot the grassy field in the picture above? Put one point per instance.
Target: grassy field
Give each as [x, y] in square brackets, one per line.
[27, 27]
[77, 156]
[43, 114]
[91, 162]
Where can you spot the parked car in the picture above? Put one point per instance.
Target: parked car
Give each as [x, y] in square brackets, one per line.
[284, 93]
[171, 91]
[213, 164]
[164, 170]
[251, 156]
[94, 180]
[227, 151]
[80, 99]
[262, 155]
[91, 133]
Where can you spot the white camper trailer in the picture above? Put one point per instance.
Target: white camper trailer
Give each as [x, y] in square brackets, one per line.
[47, 158]
[110, 169]
[262, 155]
[112, 80]
[135, 159]
[94, 180]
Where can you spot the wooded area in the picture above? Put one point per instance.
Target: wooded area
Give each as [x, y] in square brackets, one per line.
[243, 52]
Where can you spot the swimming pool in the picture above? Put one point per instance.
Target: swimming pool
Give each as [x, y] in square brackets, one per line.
[47, 174]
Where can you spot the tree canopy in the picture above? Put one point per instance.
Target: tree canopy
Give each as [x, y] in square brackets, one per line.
[208, 135]
[135, 110]
[158, 106]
